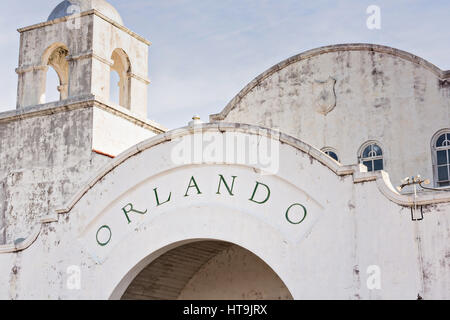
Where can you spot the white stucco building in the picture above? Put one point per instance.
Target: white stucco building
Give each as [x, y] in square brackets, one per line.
[287, 193]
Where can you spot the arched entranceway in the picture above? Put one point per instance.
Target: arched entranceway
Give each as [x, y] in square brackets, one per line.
[207, 270]
[154, 200]
[149, 210]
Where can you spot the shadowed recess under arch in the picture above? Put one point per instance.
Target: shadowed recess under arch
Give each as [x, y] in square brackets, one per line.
[207, 270]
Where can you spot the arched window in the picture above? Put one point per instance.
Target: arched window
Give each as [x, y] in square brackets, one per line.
[56, 86]
[121, 65]
[441, 158]
[371, 156]
[331, 153]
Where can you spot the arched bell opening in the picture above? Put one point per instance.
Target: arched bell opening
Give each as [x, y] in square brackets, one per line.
[57, 78]
[120, 83]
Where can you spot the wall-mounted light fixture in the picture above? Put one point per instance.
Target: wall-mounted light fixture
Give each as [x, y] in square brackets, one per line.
[417, 180]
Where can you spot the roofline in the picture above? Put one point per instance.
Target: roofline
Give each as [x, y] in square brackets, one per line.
[86, 13]
[358, 171]
[80, 102]
[443, 74]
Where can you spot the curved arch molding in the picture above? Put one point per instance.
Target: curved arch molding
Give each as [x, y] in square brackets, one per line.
[289, 147]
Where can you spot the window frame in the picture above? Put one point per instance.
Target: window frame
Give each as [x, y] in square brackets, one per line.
[434, 158]
[330, 149]
[362, 159]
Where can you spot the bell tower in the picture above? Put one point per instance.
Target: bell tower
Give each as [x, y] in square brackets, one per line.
[50, 149]
[83, 41]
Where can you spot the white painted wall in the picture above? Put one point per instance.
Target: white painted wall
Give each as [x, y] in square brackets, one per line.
[47, 152]
[112, 134]
[354, 221]
[380, 94]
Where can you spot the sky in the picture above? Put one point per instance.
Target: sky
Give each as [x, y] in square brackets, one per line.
[204, 52]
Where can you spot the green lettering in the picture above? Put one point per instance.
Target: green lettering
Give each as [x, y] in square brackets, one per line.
[131, 209]
[192, 186]
[157, 199]
[222, 179]
[287, 213]
[109, 238]
[254, 193]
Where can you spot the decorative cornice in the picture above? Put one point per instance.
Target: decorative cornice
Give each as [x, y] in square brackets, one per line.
[358, 171]
[108, 62]
[89, 55]
[25, 69]
[26, 243]
[86, 13]
[130, 116]
[322, 50]
[46, 109]
[79, 102]
[81, 56]
[139, 78]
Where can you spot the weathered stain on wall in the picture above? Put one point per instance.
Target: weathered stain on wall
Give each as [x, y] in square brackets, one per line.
[90, 45]
[382, 94]
[44, 161]
[339, 96]
[433, 244]
[360, 224]
[48, 150]
[48, 156]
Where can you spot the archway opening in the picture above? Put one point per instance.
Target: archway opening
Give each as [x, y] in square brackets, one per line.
[51, 87]
[207, 270]
[57, 79]
[114, 93]
[120, 79]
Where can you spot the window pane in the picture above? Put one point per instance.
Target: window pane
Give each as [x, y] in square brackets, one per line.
[443, 173]
[333, 155]
[444, 184]
[440, 141]
[377, 149]
[366, 152]
[368, 164]
[378, 164]
[442, 157]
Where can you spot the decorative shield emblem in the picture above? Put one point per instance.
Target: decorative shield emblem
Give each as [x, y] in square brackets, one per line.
[324, 95]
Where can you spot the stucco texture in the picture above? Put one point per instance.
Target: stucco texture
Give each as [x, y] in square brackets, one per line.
[343, 96]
